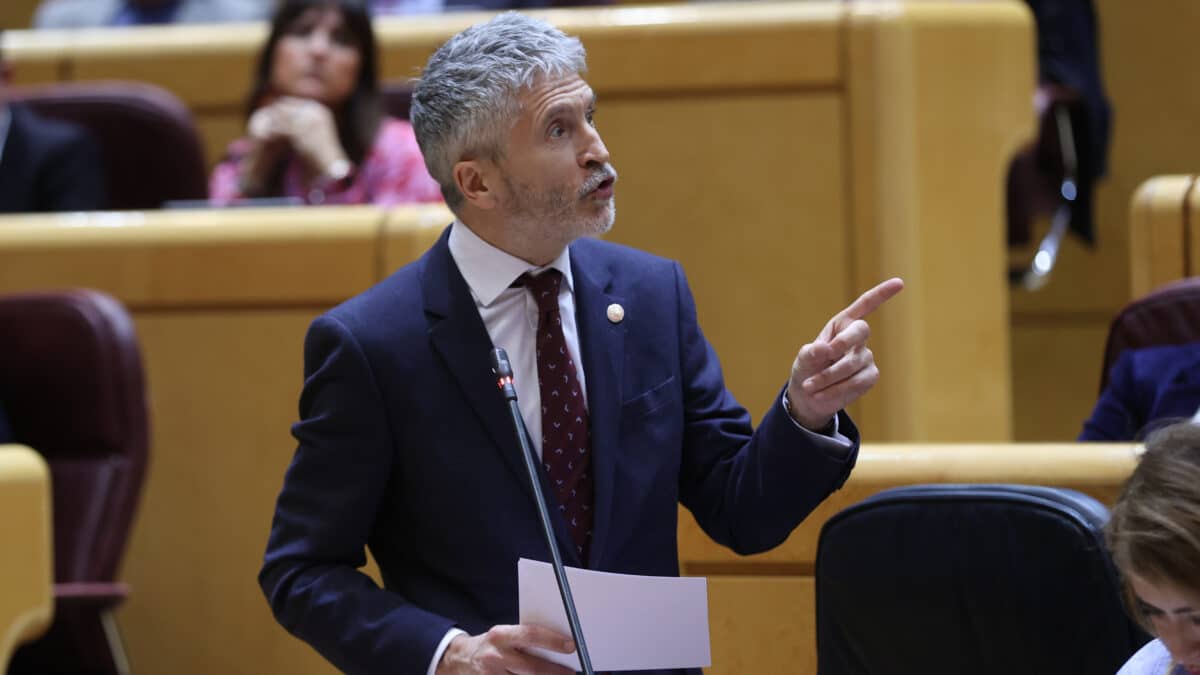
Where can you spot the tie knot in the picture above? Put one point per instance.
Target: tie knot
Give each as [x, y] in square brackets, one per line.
[544, 288]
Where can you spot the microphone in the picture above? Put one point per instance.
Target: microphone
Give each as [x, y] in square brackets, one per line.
[504, 380]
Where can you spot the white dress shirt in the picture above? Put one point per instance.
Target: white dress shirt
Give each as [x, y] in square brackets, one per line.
[511, 314]
[511, 317]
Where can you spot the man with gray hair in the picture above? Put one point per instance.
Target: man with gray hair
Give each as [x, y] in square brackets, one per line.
[404, 444]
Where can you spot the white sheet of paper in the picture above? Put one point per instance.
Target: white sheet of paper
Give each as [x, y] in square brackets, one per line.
[630, 622]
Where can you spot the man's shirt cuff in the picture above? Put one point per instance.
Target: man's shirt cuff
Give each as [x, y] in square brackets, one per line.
[441, 649]
[828, 439]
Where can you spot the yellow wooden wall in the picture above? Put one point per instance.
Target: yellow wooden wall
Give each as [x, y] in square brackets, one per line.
[1058, 333]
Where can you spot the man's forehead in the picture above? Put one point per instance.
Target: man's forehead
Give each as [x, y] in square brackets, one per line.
[551, 89]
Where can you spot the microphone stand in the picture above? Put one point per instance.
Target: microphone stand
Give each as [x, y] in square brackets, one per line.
[504, 380]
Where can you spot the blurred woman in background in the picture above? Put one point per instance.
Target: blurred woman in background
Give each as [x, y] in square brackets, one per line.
[317, 131]
[1154, 535]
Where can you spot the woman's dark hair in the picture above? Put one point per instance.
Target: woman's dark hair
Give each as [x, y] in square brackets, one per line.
[359, 118]
[1154, 528]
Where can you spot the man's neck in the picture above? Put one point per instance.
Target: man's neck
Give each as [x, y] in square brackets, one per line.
[507, 238]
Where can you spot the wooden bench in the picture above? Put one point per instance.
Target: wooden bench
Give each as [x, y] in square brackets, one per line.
[27, 566]
[790, 155]
[1164, 232]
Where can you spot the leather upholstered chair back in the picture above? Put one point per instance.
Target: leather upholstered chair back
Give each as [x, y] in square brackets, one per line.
[1168, 315]
[981, 579]
[152, 150]
[71, 382]
[397, 98]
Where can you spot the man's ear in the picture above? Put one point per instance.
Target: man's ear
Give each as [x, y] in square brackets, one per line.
[5, 73]
[476, 181]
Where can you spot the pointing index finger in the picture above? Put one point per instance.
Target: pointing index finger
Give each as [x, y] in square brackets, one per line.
[871, 300]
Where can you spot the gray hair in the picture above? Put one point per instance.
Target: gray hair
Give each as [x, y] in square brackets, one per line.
[467, 97]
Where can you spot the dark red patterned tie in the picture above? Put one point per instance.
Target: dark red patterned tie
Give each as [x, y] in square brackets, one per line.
[566, 455]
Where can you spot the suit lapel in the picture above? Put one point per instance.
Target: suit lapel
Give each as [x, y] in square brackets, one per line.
[457, 333]
[14, 183]
[602, 346]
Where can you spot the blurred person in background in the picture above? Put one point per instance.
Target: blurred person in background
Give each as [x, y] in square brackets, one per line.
[399, 7]
[97, 13]
[45, 165]
[317, 130]
[1146, 387]
[1154, 535]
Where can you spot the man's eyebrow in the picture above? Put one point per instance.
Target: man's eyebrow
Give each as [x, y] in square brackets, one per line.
[559, 109]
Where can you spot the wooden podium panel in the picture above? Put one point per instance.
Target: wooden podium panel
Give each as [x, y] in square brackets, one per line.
[221, 300]
[1154, 133]
[27, 538]
[791, 155]
[197, 258]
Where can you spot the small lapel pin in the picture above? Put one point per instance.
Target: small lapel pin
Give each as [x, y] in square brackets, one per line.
[616, 313]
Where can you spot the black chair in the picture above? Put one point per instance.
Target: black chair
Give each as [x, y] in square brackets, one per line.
[970, 579]
[397, 97]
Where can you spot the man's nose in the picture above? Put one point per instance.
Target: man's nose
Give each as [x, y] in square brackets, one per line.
[594, 152]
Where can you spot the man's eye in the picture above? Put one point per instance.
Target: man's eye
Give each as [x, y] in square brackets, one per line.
[591, 118]
[557, 131]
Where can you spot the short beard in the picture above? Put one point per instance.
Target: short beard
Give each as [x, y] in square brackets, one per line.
[551, 214]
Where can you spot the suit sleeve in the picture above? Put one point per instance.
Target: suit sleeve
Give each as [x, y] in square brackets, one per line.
[1118, 415]
[747, 488]
[74, 178]
[325, 515]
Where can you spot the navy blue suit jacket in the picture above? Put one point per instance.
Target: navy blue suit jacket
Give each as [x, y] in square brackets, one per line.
[1144, 386]
[405, 446]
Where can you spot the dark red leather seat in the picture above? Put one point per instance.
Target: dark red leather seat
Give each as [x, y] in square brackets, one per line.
[397, 98]
[152, 150]
[71, 382]
[1169, 315]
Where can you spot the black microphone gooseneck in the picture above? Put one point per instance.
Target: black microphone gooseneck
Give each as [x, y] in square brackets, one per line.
[504, 380]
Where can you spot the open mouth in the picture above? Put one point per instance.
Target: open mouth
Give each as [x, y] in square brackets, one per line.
[603, 189]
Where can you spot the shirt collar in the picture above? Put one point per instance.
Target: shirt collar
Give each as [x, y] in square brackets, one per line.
[490, 271]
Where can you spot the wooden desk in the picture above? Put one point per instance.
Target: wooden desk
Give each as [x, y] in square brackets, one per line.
[27, 566]
[828, 146]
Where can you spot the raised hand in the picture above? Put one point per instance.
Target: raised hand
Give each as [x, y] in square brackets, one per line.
[835, 369]
[503, 650]
[307, 125]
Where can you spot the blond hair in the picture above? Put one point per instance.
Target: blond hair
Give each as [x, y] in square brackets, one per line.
[1154, 529]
